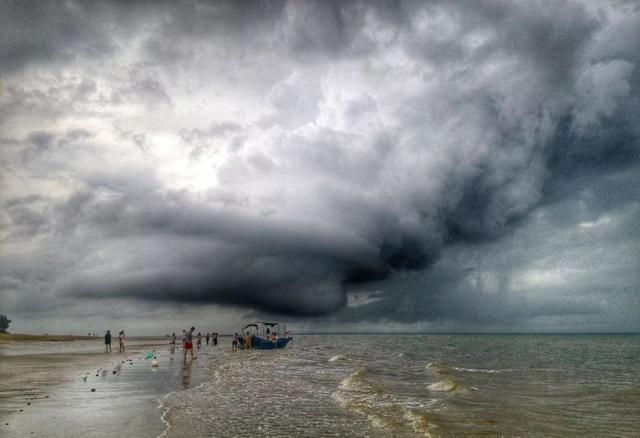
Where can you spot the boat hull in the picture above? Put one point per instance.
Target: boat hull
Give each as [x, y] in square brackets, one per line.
[265, 344]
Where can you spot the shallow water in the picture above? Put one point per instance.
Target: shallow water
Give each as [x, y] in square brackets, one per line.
[364, 386]
[395, 385]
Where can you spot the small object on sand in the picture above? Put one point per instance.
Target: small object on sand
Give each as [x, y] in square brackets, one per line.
[28, 403]
[20, 410]
[93, 390]
[84, 378]
[6, 424]
[114, 371]
[155, 362]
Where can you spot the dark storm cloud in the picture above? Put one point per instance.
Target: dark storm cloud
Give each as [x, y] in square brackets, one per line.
[53, 31]
[389, 144]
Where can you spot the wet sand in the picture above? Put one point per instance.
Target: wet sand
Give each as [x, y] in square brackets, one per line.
[74, 388]
[19, 337]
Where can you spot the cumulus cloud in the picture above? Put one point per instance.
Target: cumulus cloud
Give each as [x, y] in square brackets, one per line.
[321, 157]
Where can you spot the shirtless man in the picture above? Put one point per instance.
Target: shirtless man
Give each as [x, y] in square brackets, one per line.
[188, 344]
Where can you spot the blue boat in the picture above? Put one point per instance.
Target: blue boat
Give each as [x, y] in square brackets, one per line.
[265, 335]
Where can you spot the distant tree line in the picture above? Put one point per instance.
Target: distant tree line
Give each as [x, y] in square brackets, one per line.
[4, 323]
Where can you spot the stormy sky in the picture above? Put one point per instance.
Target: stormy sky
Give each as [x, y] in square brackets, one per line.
[410, 166]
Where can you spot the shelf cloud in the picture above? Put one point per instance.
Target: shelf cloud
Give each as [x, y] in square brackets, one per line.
[421, 165]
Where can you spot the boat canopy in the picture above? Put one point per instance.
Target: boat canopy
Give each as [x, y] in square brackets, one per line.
[264, 339]
[264, 323]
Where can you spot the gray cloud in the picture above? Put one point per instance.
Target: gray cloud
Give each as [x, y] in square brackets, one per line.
[287, 156]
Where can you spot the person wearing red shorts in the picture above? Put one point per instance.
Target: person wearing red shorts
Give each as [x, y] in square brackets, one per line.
[188, 345]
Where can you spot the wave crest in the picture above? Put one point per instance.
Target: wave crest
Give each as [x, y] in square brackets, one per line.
[447, 385]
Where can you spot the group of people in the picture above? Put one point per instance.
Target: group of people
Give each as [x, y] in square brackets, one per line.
[107, 341]
[187, 341]
[245, 342]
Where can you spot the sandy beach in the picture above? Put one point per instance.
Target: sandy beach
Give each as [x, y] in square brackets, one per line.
[72, 386]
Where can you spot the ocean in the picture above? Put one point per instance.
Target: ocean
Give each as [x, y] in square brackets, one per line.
[350, 385]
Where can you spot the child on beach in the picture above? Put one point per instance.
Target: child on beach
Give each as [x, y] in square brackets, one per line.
[199, 340]
[121, 341]
[234, 344]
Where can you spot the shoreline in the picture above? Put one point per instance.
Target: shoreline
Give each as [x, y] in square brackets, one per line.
[21, 337]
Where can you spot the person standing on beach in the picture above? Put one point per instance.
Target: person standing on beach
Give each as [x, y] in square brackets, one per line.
[107, 341]
[188, 345]
[207, 338]
[215, 339]
[199, 340]
[121, 341]
[234, 344]
[172, 344]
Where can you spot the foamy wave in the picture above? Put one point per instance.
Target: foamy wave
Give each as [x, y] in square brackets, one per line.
[438, 368]
[358, 394]
[420, 422]
[446, 385]
[167, 424]
[355, 381]
[476, 370]
[337, 358]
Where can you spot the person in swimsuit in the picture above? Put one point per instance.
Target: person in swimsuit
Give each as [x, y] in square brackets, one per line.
[207, 338]
[199, 340]
[234, 343]
[121, 341]
[188, 344]
[172, 344]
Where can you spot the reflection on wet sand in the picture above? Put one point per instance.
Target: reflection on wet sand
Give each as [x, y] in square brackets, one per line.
[65, 388]
[186, 373]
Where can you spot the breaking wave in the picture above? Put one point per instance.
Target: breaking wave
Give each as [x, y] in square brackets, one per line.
[475, 370]
[361, 394]
[338, 357]
[447, 385]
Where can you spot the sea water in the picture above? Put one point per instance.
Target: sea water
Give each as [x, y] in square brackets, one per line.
[344, 385]
[418, 385]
